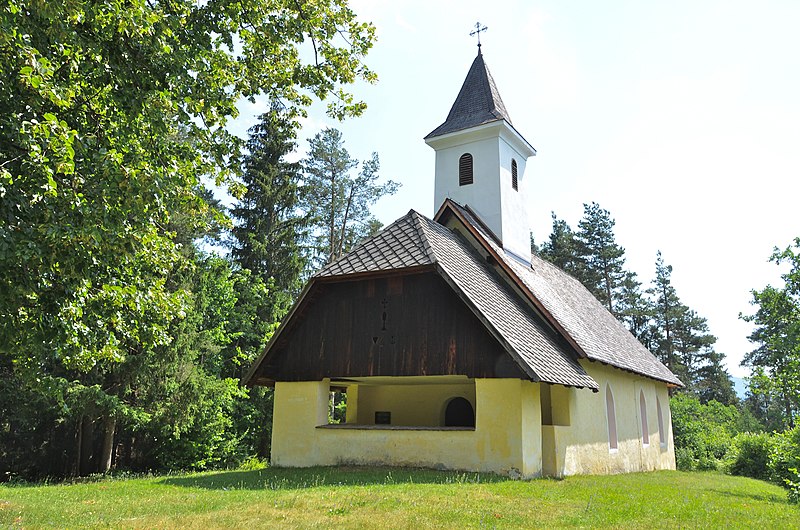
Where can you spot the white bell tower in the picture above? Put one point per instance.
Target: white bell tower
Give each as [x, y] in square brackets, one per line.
[481, 161]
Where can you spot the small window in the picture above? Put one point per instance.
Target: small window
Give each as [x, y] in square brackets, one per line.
[514, 182]
[643, 415]
[465, 169]
[662, 434]
[459, 413]
[611, 417]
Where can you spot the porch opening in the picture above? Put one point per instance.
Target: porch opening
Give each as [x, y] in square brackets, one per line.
[337, 405]
[429, 402]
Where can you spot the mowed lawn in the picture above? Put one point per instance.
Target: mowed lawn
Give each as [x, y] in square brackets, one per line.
[352, 497]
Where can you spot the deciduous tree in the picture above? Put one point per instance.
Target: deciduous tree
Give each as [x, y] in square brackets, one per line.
[111, 113]
[777, 334]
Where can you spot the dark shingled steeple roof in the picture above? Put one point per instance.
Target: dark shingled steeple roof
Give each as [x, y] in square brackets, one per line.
[477, 103]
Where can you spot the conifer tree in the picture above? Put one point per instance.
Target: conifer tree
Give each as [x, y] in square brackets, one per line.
[269, 228]
[635, 309]
[667, 311]
[713, 381]
[561, 249]
[684, 344]
[602, 257]
[336, 201]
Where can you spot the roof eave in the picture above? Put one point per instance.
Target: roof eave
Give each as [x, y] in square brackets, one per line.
[507, 131]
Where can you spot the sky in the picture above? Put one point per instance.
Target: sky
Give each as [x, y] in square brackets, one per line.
[681, 118]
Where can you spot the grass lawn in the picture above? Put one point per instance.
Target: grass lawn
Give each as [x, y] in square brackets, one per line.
[400, 498]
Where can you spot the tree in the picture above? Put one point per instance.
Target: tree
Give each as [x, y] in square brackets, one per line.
[336, 201]
[713, 381]
[603, 258]
[668, 309]
[635, 309]
[111, 113]
[684, 344]
[561, 249]
[269, 228]
[777, 334]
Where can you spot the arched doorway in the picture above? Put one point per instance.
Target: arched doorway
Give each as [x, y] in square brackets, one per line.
[459, 413]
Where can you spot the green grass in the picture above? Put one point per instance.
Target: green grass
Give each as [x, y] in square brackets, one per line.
[400, 498]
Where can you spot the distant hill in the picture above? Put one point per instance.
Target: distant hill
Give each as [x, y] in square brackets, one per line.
[740, 385]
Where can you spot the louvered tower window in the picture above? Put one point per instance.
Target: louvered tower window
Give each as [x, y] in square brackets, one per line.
[514, 182]
[465, 169]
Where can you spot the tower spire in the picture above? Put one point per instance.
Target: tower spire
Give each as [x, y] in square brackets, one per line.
[477, 31]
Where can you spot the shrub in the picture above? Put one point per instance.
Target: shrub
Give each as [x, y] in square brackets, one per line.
[749, 455]
[684, 459]
[794, 487]
[702, 432]
[785, 455]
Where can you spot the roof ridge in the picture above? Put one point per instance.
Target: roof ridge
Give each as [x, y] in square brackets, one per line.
[416, 218]
[398, 245]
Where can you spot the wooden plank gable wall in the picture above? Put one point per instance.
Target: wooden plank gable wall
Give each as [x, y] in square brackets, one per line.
[396, 325]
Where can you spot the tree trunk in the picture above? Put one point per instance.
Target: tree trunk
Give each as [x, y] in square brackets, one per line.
[76, 466]
[87, 445]
[109, 424]
[344, 222]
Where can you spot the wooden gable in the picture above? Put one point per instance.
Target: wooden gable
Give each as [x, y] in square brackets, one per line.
[391, 325]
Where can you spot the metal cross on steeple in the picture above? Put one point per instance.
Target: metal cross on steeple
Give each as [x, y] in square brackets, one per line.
[477, 31]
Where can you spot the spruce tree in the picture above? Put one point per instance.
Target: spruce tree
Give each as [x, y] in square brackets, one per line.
[684, 344]
[668, 309]
[269, 228]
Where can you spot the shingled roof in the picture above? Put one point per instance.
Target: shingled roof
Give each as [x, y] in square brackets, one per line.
[544, 318]
[397, 246]
[477, 103]
[596, 332]
[414, 241]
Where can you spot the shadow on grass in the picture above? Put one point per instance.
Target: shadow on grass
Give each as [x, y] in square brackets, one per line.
[314, 477]
[757, 497]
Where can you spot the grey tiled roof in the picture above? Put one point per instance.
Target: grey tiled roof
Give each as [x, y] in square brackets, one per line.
[477, 103]
[415, 240]
[397, 246]
[597, 332]
[535, 347]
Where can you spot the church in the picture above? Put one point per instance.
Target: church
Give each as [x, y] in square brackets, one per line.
[452, 346]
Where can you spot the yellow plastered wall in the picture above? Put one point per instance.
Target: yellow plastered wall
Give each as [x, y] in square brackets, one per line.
[410, 405]
[505, 408]
[583, 446]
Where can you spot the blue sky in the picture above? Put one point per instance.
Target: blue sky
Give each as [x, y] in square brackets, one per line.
[681, 118]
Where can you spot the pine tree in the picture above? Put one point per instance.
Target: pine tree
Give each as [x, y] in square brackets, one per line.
[269, 228]
[336, 201]
[602, 257]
